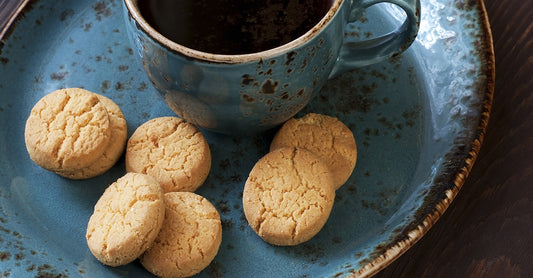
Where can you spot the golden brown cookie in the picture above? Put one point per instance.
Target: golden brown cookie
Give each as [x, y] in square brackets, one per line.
[327, 137]
[189, 239]
[67, 130]
[172, 151]
[126, 219]
[288, 196]
[114, 149]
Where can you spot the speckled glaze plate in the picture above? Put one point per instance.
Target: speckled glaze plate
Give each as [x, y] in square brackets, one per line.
[418, 120]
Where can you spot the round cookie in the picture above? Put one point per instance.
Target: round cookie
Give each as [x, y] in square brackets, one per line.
[288, 196]
[189, 239]
[67, 130]
[172, 151]
[114, 149]
[126, 219]
[327, 137]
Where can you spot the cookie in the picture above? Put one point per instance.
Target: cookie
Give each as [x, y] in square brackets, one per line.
[114, 149]
[288, 196]
[190, 237]
[126, 219]
[172, 151]
[327, 137]
[67, 130]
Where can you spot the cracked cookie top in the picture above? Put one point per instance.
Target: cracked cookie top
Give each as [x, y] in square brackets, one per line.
[172, 151]
[114, 149]
[126, 219]
[288, 196]
[189, 239]
[67, 129]
[325, 136]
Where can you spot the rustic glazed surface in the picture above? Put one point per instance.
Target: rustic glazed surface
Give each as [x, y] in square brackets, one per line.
[419, 120]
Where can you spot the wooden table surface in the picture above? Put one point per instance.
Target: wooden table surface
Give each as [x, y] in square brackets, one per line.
[487, 230]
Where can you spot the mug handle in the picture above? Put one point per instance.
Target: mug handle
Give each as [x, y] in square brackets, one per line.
[367, 52]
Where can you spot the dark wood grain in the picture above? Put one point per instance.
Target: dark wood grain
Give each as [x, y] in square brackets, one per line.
[487, 230]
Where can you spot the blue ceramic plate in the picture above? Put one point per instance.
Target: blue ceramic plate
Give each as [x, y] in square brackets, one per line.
[418, 120]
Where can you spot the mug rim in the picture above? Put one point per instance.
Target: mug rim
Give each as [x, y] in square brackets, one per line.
[134, 12]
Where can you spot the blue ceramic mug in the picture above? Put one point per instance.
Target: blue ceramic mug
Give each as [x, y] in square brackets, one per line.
[248, 93]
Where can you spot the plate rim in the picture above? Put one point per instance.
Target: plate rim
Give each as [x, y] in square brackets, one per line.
[414, 232]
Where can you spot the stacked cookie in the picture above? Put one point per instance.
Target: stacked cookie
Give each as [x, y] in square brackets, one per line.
[126, 219]
[325, 136]
[173, 231]
[177, 156]
[189, 239]
[75, 133]
[175, 234]
[289, 193]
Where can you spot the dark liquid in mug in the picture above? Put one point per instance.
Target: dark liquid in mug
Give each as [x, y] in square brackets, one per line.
[233, 26]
